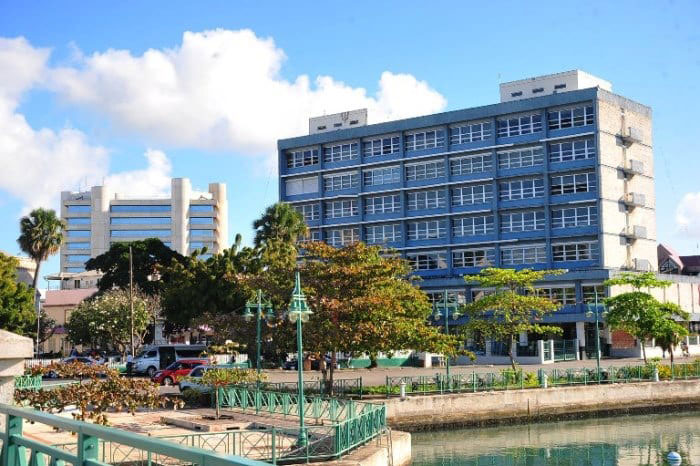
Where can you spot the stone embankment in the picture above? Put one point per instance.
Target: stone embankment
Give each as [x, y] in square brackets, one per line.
[513, 406]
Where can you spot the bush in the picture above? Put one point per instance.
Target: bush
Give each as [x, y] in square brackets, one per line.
[194, 399]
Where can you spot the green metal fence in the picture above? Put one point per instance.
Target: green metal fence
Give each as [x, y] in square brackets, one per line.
[565, 350]
[89, 448]
[351, 423]
[341, 387]
[510, 380]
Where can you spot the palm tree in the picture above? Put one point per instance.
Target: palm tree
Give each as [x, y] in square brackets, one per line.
[41, 235]
[280, 224]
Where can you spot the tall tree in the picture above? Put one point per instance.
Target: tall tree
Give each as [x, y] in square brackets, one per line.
[150, 258]
[280, 225]
[511, 306]
[41, 235]
[637, 312]
[16, 300]
[363, 302]
[667, 331]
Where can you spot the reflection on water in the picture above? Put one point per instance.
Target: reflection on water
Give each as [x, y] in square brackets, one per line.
[622, 440]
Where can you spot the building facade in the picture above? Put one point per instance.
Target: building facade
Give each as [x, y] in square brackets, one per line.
[185, 221]
[559, 174]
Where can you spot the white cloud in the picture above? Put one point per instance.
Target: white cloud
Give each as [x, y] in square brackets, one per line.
[222, 89]
[688, 215]
[37, 164]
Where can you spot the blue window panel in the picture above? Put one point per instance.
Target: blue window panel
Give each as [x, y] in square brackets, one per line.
[78, 233]
[140, 220]
[201, 208]
[78, 257]
[74, 269]
[77, 245]
[207, 233]
[78, 209]
[141, 208]
[144, 233]
[201, 221]
[78, 221]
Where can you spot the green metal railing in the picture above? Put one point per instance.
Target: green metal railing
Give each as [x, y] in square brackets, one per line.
[352, 423]
[89, 450]
[28, 382]
[341, 387]
[565, 350]
[510, 380]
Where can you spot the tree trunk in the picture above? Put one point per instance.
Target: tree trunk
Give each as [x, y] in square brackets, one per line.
[373, 360]
[644, 350]
[332, 373]
[216, 400]
[36, 277]
[510, 353]
[670, 352]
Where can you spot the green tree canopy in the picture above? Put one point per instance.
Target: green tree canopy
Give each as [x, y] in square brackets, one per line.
[280, 225]
[510, 307]
[17, 313]
[151, 258]
[41, 235]
[105, 319]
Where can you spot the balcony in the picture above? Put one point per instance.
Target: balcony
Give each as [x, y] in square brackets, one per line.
[631, 136]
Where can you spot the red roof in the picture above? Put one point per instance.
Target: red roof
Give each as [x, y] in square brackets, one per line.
[67, 297]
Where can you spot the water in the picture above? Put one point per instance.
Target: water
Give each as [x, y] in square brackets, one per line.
[622, 440]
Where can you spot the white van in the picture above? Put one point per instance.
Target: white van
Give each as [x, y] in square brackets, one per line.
[157, 357]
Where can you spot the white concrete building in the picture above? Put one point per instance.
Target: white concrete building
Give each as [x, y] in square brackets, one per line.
[185, 221]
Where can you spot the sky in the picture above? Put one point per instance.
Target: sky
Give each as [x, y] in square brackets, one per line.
[132, 93]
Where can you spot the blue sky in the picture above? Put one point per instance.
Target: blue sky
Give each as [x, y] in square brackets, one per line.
[80, 102]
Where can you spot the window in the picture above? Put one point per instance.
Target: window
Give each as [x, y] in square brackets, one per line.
[531, 254]
[383, 233]
[200, 245]
[311, 235]
[77, 257]
[470, 132]
[419, 200]
[301, 185]
[470, 164]
[516, 94]
[470, 226]
[74, 269]
[521, 189]
[472, 194]
[343, 236]
[209, 233]
[575, 217]
[340, 181]
[515, 126]
[572, 184]
[339, 209]
[425, 170]
[538, 90]
[581, 251]
[78, 221]
[203, 257]
[340, 152]
[140, 220]
[428, 260]
[309, 211]
[382, 204]
[140, 208]
[452, 296]
[201, 220]
[381, 146]
[77, 245]
[590, 292]
[144, 233]
[78, 233]
[473, 257]
[564, 296]
[560, 86]
[427, 229]
[204, 208]
[522, 221]
[526, 157]
[571, 117]
[425, 140]
[383, 175]
[78, 209]
[567, 151]
[302, 158]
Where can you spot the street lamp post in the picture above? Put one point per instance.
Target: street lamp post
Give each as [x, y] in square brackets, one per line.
[597, 314]
[299, 312]
[257, 305]
[440, 308]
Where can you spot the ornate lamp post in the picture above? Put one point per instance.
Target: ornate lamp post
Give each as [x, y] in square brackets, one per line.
[297, 313]
[596, 310]
[257, 306]
[444, 308]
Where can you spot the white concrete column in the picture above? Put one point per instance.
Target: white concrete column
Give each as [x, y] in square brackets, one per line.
[581, 333]
[181, 191]
[15, 349]
[578, 356]
[540, 350]
[551, 349]
[99, 220]
[218, 192]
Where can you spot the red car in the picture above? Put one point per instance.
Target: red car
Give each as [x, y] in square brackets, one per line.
[176, 370]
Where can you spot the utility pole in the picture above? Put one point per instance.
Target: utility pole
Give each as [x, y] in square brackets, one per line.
[131, 299]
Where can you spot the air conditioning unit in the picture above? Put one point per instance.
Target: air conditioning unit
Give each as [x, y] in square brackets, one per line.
[635, 232]
[632, 135]
[642, 265]
[634, 200]
[634, 167]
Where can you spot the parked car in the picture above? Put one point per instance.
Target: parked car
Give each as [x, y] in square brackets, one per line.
[72, 359]
[177, 370]
[197, 373]
[158, 357]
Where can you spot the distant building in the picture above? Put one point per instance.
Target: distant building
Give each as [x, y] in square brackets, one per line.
[185, 221]
[58, 305]
[671, 262]
[75, 280]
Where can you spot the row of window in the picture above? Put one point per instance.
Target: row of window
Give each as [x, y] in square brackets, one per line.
[432, 138]
[128, 208]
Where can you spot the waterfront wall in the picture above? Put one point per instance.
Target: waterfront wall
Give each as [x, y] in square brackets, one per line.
[424, 412]
[377, 454]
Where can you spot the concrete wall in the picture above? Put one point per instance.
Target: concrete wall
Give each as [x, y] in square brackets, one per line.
[14, 350]
[376, 453]
[488, 407]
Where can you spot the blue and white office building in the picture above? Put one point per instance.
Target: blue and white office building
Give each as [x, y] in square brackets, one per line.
[559, 174]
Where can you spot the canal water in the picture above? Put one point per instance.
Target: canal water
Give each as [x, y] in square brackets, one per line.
[623, 440]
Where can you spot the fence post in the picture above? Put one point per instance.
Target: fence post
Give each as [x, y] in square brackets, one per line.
[361, 387]
[272, 442]
[388, 387]
[474, 381]
[87, 448]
